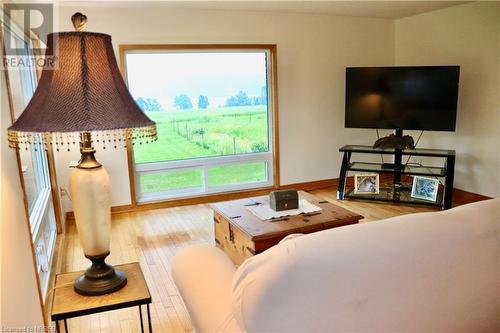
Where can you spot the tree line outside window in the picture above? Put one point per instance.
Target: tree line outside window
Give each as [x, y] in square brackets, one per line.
[183, 101]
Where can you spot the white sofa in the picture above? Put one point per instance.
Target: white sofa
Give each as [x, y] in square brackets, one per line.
[427, 272]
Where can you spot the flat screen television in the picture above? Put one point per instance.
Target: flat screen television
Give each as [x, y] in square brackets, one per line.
[413, 98]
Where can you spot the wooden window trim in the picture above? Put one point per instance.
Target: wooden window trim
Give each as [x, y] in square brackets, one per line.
[123, 48]
[10, 102]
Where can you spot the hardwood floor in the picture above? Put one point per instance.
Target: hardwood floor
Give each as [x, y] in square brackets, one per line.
[152, 238]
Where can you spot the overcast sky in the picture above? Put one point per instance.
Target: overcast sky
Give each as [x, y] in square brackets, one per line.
[216, 75]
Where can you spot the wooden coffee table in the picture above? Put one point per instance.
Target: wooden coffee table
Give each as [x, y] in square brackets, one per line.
[241, 234]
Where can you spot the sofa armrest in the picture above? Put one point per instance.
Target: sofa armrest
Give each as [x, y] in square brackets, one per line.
[203, 274]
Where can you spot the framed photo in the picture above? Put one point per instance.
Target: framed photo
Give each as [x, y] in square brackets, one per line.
[366, 183]
[425, 188]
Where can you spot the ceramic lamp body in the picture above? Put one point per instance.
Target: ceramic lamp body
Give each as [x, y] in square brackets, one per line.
[91, 198]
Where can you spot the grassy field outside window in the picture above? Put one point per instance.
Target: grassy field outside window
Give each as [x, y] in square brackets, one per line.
[206, 105]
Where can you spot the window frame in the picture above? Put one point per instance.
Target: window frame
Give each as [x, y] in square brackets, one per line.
[39, 207]
[271, 158]
[41, 215]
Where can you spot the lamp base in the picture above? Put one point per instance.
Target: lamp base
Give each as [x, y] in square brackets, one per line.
[100, 278]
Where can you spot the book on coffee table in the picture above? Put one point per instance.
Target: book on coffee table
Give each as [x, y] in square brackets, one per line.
[265, 212]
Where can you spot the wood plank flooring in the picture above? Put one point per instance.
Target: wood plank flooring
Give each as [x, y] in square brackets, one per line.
[152, 238]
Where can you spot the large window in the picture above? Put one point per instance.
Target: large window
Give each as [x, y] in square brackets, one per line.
[214, 114]
[34, 164]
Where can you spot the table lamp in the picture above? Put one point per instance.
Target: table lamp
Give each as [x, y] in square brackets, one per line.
[84, 98]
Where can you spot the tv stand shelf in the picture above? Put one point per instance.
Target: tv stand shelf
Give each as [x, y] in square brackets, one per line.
[391, 194]
[404, 170]
[398, 191]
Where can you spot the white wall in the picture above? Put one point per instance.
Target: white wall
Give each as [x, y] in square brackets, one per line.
[467, 35]
[313, 51]
[20, 305]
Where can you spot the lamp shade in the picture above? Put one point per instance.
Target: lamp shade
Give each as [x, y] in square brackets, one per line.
[82, 92]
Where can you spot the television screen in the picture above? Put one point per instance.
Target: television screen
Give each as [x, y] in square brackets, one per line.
[415, 98]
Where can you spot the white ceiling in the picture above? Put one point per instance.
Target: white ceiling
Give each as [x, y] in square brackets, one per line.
[377, 9]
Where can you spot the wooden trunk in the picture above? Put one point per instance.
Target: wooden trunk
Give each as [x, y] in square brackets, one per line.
[242, 235]
[234, 242]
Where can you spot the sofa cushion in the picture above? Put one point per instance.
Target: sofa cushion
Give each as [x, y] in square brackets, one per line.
[435, 271]
[203, 274]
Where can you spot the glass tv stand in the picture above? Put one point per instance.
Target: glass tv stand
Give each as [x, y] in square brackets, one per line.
[394, 177]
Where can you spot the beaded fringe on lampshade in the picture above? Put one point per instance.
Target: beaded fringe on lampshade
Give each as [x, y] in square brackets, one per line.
[82, 92]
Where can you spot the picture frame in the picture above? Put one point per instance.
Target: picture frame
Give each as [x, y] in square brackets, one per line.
[425, 188]
[366, 183]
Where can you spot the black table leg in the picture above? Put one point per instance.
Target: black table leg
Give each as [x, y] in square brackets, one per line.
[140, 316]
[65, 326]
[343, 174]
[57, 326]
[448, 186]
[150, 326]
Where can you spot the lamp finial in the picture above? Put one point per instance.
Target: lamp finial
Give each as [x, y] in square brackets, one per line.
[79, 21]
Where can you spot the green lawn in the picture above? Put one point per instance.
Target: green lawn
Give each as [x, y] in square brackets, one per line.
[170, 180]
[238, 173]
[206, 132]
[201, 133]
[191, 179]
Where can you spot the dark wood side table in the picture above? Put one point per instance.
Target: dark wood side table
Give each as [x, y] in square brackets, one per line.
[68, 304]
